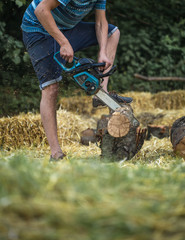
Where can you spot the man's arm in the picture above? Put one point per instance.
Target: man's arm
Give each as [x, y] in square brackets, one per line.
[102, 36]
[43, 13]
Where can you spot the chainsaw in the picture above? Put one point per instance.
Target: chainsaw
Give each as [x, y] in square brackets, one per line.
[86, 74]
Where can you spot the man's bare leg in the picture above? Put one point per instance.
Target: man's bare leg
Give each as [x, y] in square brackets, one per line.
[112, 44]
[48, 116]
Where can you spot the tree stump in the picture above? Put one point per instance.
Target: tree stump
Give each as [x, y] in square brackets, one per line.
[118, 134]
[177, 136]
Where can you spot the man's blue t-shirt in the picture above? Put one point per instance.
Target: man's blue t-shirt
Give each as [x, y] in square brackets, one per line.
[66, 15]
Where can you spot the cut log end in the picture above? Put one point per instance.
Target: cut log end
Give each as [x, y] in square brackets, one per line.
[118, 125]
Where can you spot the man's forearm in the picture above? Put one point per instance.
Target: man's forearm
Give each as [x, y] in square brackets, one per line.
[102, 35]
[43, 13]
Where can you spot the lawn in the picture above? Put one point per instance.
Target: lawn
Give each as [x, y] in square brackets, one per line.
[85, 197]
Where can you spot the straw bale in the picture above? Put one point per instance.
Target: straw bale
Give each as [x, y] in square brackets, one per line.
[144, 101]
[159, 116]
[83, 104]
[27, 129]
[141, 100]
[169, 100]
[77, 104]
[169, 117]
[23, 130]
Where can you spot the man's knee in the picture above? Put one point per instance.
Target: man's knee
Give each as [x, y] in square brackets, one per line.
[114, 37]
[51, 91]
[116, 34]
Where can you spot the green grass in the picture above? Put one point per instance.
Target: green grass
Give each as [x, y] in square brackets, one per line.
[85, 198]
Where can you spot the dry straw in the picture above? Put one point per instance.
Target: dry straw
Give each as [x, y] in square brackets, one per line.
[27, 130]
[141, 101]
[77, 114]
[169, 100]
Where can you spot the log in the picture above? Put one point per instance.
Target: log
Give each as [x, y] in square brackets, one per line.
[136, 75]
[119, 134]
[159, 131]
[177, 136]
[87, 136]
[121, 120]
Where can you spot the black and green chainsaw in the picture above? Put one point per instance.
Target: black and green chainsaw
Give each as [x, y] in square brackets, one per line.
[85, 72]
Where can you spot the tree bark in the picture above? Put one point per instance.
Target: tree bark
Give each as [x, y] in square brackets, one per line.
[177, 136]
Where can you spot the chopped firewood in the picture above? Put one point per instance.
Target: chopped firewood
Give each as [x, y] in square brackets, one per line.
[177, 136]
[87, 136]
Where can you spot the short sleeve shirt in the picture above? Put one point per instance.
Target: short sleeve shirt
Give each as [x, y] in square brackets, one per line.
[66, 15]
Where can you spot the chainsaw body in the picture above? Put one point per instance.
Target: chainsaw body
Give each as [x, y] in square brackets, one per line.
[86, 74]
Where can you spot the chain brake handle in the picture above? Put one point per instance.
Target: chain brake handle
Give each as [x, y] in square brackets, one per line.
[110, 72]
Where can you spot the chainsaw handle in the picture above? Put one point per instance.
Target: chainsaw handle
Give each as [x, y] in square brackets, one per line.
[95, 65]
[62, 65]
[76, 64]
[110, 72]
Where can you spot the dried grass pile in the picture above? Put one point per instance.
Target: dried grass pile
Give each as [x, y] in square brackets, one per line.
[23, 130]
[169, 100]
[141, 100]
[77, 104]
[83, 104]
[144, 101]
[27, 130]
[170, 116]
[159, 117]
[70, 125]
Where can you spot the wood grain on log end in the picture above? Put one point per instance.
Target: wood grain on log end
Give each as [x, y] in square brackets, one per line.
[118, 125]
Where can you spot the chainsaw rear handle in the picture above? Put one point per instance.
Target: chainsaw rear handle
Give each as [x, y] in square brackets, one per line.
[76, 64]
[62, 65]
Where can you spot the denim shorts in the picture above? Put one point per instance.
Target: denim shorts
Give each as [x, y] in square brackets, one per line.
[42, 47]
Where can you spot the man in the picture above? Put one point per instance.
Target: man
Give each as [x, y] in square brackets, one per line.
[55, 25]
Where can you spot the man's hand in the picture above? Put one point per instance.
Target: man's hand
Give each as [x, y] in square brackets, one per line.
[43, 13]
[66, 52]
[103, 58]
